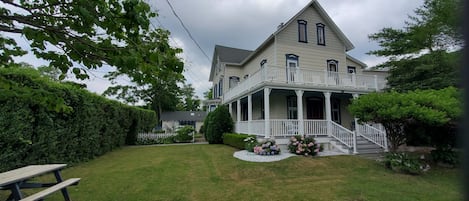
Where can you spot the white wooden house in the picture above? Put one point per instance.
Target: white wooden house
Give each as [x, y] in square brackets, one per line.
[299, 81]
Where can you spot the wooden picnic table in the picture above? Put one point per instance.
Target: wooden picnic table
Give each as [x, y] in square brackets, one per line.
[17, 179]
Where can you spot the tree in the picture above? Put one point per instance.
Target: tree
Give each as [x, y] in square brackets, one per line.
[421, 55]
[88, 33]
[208, 94]
[396, 110]
[49, 71]
[189, 102]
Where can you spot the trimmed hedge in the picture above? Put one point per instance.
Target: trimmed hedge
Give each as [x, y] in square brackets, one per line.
[235, 140]
[42, 121]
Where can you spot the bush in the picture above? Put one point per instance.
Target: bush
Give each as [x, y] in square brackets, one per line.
[250, 143]
[267, 147]
[218, 123]
[446, 156]
[42, 121]
[405, 163]
[300, 145]
[235, 140]
[185, 134]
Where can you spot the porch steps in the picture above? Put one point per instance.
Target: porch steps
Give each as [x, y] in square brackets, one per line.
[365, 148]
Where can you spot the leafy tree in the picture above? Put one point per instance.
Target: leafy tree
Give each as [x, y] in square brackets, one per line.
[189, 101]
[217, 123]
[396, 110]
[208, 94]
[420, 53]
[89, 33]
[49, 71]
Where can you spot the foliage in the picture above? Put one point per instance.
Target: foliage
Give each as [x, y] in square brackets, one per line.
[42, 121]
[218, 123]
[419, 54]
[185, 134]
[189, 101]
[306, 146]
[91, 33]
[396, 110]
[446, 155]
[250, 143]
[267, 147]
[405, 163]
[235, 140]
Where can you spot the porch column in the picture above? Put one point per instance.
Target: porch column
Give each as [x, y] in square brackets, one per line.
[267, 112]
[327, 96]
[238, 110]
[299, 102]
[230, 108]
[250, 113]
[356, 131]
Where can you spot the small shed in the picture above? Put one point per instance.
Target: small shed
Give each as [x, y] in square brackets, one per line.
[171, 121]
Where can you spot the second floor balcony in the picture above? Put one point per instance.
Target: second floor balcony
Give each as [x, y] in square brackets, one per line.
[276, 76]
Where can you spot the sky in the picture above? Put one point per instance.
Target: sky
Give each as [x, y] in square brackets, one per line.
[246, 24]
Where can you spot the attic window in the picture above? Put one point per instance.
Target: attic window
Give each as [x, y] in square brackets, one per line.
[302, 31]
[320, 33]
[263, 62]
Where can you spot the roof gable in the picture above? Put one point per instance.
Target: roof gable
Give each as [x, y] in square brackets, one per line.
[227, 55]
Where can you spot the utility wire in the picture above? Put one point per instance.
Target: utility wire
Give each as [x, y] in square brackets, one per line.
[187, 30]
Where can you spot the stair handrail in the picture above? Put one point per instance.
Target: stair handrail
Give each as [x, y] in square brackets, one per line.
[346, 139]
[373, 134]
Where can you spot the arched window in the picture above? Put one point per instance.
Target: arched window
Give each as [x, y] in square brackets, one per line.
[302, 31]
[320, 30]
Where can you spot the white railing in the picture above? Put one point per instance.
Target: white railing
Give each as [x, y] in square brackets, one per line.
[284, 127]
[306, 76]
[154, 136]
[373, 134]
[315, 127]
[342, 134]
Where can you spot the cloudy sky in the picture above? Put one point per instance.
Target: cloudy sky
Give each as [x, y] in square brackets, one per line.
[246, 24]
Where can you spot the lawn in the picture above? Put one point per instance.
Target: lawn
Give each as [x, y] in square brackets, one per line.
[210, 172]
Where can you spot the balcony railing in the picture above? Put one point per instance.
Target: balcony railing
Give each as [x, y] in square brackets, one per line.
[306, 77]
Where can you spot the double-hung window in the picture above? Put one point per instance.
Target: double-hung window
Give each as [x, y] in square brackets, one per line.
[302, 31]
[320, 30]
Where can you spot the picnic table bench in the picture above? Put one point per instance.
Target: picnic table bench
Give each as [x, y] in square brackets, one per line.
[17, 179]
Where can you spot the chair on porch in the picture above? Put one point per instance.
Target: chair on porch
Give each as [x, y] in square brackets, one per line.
[291, 128]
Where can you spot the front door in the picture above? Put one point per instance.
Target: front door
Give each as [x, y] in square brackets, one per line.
[315, 108]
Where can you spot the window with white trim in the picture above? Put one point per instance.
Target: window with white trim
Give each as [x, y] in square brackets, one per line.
[292, 109]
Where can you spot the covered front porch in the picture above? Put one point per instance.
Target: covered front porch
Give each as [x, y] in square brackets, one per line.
[282, 113]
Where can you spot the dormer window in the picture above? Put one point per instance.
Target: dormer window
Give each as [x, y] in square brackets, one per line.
[302, 31]
[320, 34]
[263, 63]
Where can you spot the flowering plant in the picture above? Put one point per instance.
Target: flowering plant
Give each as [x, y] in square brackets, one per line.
[250, 143]
[267, 147]
[300, 145]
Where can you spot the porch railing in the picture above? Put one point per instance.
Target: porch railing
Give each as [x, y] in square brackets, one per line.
[342, 134]
[306, 76]
[374, 135]
[315, 127]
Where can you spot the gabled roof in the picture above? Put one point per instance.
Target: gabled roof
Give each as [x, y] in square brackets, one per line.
[184, 116]
[328, 20]
[228, 55]
[357, 61]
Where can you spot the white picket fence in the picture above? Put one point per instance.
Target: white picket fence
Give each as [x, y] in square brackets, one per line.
[154, 136]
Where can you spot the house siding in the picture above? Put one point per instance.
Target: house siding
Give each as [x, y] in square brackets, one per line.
[253, 65]
[311, 55]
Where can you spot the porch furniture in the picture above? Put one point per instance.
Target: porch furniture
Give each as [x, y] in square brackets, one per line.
[17, 179]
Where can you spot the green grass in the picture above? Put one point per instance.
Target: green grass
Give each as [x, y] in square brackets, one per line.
[210, 172]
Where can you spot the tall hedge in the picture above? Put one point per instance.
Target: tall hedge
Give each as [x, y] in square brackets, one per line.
[42, 121]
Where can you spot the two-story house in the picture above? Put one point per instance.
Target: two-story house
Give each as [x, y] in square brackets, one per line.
[299, 81]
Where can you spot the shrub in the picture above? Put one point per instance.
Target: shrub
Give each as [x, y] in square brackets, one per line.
[267, 147]
[300, 145]
[250, 143]
[42, 121]
[185, 134]
[405, 163]
[446, 156]
[235, 140]
[218, 123]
